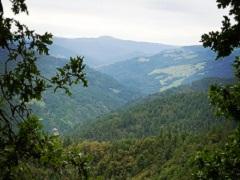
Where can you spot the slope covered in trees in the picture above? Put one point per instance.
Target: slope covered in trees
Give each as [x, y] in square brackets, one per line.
[158, 137]
[167, 156]
[184, 109]
[103, 94]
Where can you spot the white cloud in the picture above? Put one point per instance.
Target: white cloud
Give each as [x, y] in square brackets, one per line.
[165, 21]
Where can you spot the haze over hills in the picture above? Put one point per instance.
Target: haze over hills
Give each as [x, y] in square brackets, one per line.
[125, 79]
[106, 108]
[170, 68]
[104, 50]
[147, 67]
[121, 126]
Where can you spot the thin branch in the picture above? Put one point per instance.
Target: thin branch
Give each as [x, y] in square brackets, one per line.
[1, 9]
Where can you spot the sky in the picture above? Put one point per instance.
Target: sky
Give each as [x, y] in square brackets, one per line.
[175, 22]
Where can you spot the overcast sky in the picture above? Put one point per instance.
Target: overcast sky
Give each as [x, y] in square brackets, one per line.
[179, 22]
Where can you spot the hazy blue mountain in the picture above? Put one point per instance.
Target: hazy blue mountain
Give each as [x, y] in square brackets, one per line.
[104, 50]
[59, 51]
[169, 68]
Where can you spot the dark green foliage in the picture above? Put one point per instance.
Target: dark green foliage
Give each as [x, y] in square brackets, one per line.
[184, 109]
[223, 163]
[181, 123]
[167, 156]
[226, 100]
[63, 79]
[35, 152]
[220, 163]
[79, 161]
[28, 144]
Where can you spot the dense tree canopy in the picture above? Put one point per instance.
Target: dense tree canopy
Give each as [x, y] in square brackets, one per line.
[179, 122]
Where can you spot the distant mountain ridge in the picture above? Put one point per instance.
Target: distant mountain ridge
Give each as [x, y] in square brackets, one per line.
[136, 69]
[170, 68]
[143, 66]
[104, 50]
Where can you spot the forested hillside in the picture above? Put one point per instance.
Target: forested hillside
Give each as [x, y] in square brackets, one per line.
[102, 95]
[169, 155]
[184, 109]
[120, 109]
[156, 137]
[57, 110]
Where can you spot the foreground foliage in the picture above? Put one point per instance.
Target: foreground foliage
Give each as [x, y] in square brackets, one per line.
[22, 142]
[167, 156]
[36, 153]
[223, 163]
[155, 138]
[226, 98]
[181, 123]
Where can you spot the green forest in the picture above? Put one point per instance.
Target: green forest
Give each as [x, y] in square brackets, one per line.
[63, 119]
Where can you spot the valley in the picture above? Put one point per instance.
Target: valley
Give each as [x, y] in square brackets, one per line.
[144, 117]
[119, 90]
[145, 112]
[114, 86]
[155, 134]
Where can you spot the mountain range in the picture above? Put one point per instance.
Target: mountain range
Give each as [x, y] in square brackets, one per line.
[120, 72]
[103, 50]
[145, 113]
[146, 67]
[170, 68]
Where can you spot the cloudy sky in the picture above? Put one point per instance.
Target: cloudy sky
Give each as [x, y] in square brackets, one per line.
[179, 22]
